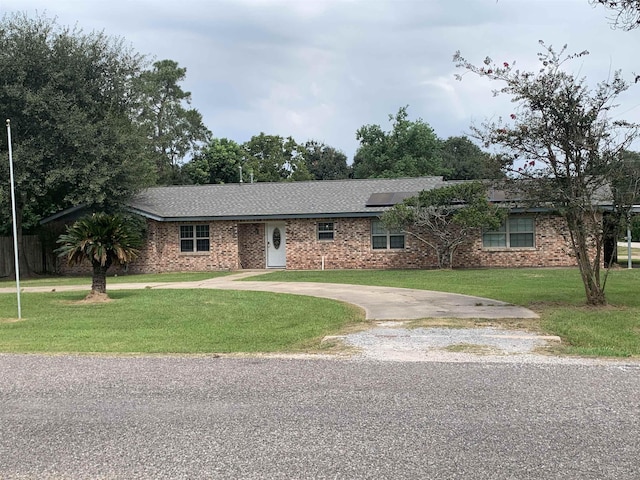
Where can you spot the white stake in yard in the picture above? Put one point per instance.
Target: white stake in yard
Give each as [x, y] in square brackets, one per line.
[13, 212]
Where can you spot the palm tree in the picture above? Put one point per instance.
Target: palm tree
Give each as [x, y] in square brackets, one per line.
[104, 240]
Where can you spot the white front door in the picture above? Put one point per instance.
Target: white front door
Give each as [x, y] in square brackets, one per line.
[276, 241]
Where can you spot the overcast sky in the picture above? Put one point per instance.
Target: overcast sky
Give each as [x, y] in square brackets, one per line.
[320, 69]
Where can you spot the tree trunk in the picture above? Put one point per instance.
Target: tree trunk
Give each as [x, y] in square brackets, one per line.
[591, 280]
[444, 259]
[589, 270]
[99, 278]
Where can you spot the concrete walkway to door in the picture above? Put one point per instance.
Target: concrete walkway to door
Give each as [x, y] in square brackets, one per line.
[379, 303]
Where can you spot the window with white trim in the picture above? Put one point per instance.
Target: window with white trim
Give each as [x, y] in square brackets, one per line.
[383, 239]
[194, 238]
[516, 232]
[326, 230]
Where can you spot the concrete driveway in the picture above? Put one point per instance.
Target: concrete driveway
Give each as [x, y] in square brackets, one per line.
[379, 303]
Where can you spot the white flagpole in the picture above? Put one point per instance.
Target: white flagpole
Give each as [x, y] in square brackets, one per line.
[13, 211]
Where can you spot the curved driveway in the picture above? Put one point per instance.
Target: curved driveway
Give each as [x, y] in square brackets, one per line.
[379, 303]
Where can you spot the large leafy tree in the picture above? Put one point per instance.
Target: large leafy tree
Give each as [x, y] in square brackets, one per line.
[325, 162]
[410, 149]
[445, 218]
[174, 131]
[272, 158]
[103, 240]
[464, 160]
[563, 147]
[71, 101]
[218, 162]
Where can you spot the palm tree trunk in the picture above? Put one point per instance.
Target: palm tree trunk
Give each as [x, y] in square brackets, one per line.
[99, 278]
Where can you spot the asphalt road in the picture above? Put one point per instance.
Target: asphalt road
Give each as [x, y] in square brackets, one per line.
[248, 418]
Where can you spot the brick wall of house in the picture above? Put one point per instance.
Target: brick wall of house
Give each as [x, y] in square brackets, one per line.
[251, 245]
[242, 245]
[162, 249]
[350, 248]
[551, 249]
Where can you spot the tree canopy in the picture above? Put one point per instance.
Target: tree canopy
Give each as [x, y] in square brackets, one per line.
[410, 149]
[562, 146]
[218, 162]
[71, 99]
[325, 162]
[272, 158]
[464, 160]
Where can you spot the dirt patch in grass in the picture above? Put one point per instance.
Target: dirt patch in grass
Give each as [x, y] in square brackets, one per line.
[476, 349]
[11, 320]
[95, 297]
[334, 345]
[531, 325]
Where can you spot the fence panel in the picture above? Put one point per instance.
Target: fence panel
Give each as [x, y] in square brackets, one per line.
[34, 254]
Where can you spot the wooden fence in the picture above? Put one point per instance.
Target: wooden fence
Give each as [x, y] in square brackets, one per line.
[37, 258]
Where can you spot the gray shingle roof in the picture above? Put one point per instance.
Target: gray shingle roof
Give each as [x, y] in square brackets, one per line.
[269, 200]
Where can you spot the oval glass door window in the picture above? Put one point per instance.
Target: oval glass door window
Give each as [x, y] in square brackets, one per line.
[277, 239]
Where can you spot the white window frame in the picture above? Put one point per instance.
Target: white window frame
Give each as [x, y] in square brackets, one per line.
[328, 233]
[508, 231]
[196, 236]
[388, 235]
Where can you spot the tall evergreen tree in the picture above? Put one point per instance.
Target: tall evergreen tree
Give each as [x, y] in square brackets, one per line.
[174, 131]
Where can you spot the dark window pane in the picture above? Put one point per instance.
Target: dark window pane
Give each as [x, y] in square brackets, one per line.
[494, 240]
[202, 245]
[396, 241]
[377, 228]
[521, 240]
[520, 225]
[186, 245]
[325, 231]
[186, 231]
[202, 231]
[379, 242]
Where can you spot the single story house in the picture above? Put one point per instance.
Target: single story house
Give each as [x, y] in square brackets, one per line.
[319, 225]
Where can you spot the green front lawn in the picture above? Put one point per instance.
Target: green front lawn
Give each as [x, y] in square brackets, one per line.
[556, 294]
[209, 321]
[171, 321]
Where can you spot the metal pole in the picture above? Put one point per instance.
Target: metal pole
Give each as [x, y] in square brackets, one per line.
[13, 212]
[629, 260]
